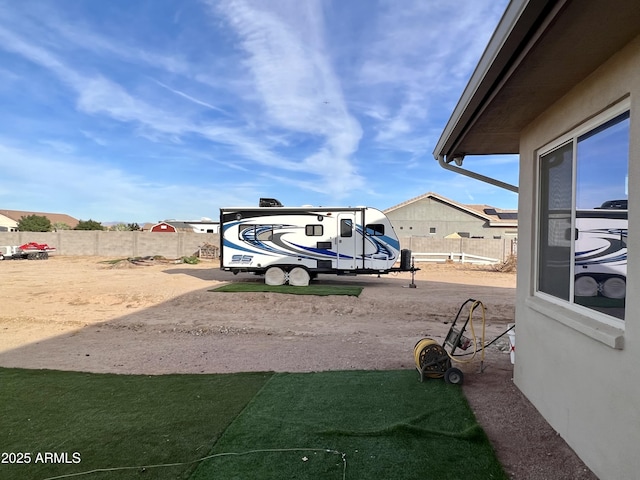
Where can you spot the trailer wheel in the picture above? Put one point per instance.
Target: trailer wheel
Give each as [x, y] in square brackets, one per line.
[585, 286]
[453, 376]
[299, 277]
[614, 287]
[275, 276]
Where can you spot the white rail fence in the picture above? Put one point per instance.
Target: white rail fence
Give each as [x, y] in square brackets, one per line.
[478, 250]
[454, 257]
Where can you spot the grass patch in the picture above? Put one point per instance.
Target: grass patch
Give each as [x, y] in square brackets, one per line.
[328, 425]
[239, 287]
[117, 420]
[337, 425]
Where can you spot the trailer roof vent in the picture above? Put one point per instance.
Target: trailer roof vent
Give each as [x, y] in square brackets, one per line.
[269, 202]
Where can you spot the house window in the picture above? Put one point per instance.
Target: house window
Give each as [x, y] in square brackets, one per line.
[313, 230]
[375, 229]
[582, 216]
[432, 230]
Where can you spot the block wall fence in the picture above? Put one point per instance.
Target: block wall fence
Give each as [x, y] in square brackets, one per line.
[179, 244]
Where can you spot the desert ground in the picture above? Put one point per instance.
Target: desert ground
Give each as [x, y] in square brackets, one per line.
[158, 317]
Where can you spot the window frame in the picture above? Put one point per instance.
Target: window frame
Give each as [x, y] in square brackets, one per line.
[346, 227]
[582, 318]
[311, 229]
[374, 229]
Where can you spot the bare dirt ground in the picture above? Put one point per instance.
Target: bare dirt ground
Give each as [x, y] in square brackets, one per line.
[77, 313]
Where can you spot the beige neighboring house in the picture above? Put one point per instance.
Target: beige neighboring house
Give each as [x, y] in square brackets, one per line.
[559, 84]
[432, 215]
[10, 218]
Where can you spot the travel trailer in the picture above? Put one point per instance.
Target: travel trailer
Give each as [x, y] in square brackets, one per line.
[295, 244]
[601, 251]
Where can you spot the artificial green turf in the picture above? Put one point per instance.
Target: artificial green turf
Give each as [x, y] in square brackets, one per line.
[354, 425]
[602, 302]
[308, 290]
[116, 420]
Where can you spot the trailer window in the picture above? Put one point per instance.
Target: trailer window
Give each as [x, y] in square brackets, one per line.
[582, 217]
[314, 230]
[252, 233]
[346, 227]
[247, 232]
[375, 229]
[264, 232]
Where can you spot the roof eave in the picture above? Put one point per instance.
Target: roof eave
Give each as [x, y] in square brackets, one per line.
[509, 38]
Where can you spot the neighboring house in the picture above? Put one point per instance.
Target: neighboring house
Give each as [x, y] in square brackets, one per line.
[187, 226]
[438, 217]
[10, 218]
[559, 83]
[204, 226]
[7, 224]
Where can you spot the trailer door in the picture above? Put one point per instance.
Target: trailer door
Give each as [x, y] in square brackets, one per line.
[346, 244]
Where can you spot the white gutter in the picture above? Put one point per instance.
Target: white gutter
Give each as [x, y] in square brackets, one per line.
[477, 176]
[483, 80]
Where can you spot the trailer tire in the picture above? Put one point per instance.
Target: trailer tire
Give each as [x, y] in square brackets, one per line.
[299, 277]
[585, 286]
[405, 260]
[275, 276]
[614, 287]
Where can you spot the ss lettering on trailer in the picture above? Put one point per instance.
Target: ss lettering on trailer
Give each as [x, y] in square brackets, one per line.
[242, 259]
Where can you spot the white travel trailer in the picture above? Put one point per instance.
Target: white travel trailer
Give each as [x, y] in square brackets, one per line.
[601, 251]
[294, 244]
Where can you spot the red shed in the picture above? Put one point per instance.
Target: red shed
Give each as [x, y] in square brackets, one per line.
[171, 227]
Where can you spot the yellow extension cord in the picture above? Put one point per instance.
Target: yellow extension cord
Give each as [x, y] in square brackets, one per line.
[474, 305]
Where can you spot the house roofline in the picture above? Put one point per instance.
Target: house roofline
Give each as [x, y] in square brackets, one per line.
[466, 208]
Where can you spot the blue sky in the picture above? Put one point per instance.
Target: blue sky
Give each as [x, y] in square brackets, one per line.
[144, 110]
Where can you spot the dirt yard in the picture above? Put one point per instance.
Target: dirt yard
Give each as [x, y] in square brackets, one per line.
[79, 313]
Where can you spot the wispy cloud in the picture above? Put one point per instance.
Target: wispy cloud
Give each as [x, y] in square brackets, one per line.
[293, 83]
[421, 56]
[320, 100]
[298, 89]
[107, 192]
[190, 98]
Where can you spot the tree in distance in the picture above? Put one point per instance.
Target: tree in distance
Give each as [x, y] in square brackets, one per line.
[89, 225]
[34, 223]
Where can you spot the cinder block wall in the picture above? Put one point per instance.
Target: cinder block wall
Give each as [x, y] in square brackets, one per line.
[116, 244]
[175, 245]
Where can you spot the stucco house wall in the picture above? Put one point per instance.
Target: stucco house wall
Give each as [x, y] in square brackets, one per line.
[589, 392]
